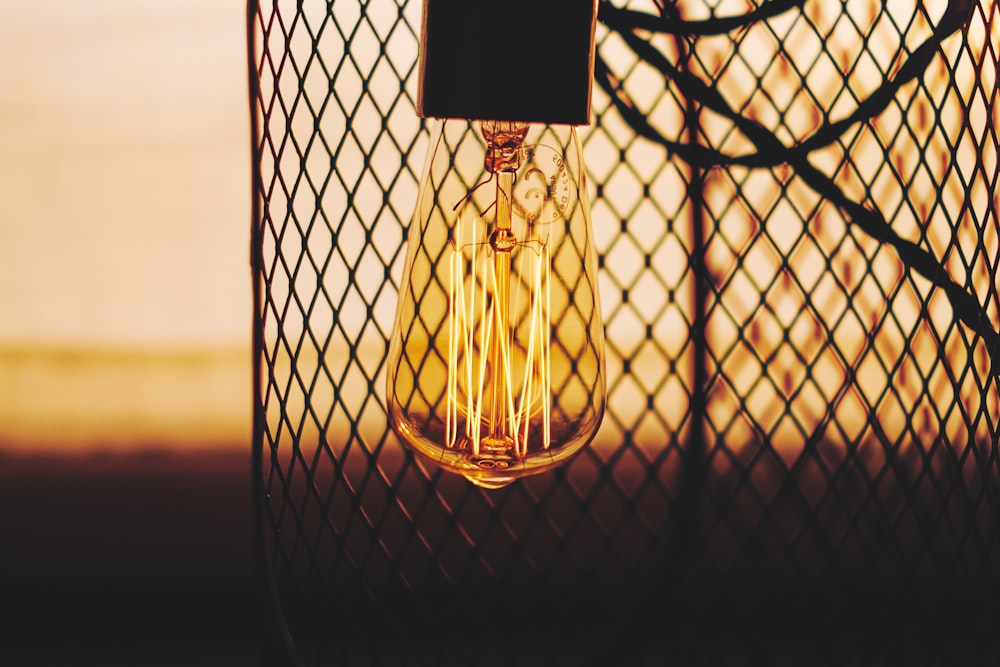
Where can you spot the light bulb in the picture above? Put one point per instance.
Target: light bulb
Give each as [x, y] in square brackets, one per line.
[496, 365]
[496, 360]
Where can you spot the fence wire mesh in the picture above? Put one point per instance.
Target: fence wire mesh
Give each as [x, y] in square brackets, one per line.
[796, 209]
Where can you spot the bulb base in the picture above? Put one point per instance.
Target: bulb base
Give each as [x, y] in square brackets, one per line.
[520, 60]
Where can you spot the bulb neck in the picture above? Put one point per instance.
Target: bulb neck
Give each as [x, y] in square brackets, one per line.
[525, 60]
[503, 144]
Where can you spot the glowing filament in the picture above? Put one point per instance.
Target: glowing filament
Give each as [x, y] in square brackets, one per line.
[481, 345]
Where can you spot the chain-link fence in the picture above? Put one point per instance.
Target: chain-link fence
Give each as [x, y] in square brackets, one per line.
[795, 206]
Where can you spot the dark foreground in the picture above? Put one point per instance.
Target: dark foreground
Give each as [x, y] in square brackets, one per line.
[138, 560]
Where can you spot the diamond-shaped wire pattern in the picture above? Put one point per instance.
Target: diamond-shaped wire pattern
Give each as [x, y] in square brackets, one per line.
[796, 212]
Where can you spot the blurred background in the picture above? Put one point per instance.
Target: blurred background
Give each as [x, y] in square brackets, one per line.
[125, 330]
[125, 374]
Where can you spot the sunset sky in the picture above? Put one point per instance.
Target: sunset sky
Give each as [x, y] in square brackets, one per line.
[124, 231]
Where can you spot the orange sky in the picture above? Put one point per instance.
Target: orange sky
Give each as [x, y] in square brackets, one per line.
[124, 229]
[125, 173]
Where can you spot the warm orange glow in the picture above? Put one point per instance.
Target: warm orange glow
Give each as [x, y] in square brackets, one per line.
[123, 233]
[806, 310]
[495, 369]
[63, 400]
[517, 403]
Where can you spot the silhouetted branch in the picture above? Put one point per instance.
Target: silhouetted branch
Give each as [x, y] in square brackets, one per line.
[772, 152]
[620, 19]
[694, 154]
[911, 70]
[965, 306]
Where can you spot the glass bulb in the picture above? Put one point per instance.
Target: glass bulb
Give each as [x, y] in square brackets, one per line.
[496, 362]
